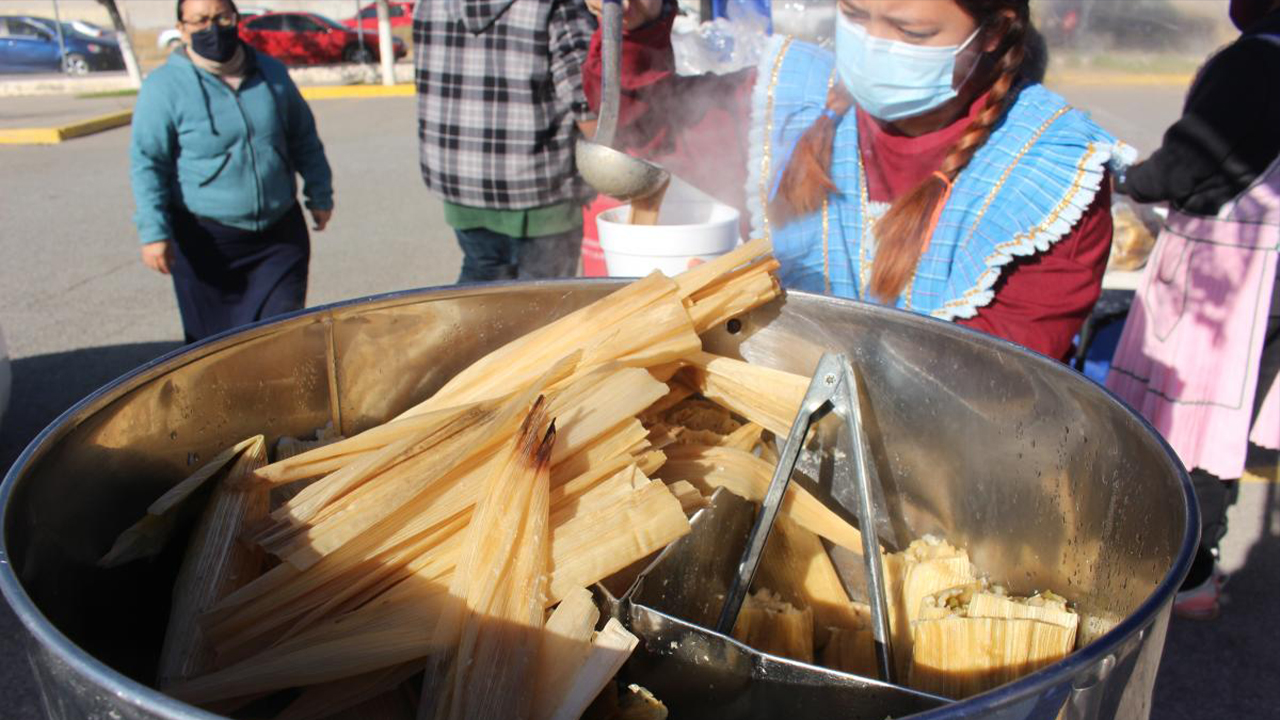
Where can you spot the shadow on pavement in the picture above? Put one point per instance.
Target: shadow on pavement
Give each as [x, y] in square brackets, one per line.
[1226, 667]
[43, 387]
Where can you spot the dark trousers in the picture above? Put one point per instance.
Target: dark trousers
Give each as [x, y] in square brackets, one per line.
[488, 255]
[226, 277]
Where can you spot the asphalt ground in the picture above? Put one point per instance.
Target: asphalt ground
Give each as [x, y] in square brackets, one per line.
[78, 309]
[57, 110]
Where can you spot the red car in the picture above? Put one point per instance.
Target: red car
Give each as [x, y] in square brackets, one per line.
[401, 14]
[303, 38]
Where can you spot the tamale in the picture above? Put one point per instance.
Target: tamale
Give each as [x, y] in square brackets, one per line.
[928, 565]
[215, 565]
[960, 656]
[148, 536]
[772, 625]
[852, 651]
[696, 414]
[796, 566]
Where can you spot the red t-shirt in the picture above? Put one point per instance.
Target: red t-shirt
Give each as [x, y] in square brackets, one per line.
[697, 127]
[1042, 300]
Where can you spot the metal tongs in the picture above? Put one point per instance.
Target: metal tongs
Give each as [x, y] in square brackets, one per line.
[834, 388]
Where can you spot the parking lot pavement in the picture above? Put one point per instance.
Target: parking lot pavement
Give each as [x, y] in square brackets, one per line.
[56, 110]
[78, 309]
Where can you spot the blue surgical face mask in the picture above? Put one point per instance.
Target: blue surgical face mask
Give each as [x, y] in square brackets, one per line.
[893, 80]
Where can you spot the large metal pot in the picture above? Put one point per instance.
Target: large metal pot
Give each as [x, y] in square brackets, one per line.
[1047, 479]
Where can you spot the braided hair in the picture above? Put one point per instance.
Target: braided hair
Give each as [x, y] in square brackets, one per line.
[903, 233]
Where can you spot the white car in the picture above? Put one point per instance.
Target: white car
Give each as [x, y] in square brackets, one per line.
[6, 377]
[171, 38]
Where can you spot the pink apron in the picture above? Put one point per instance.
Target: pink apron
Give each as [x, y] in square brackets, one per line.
[1188, 356]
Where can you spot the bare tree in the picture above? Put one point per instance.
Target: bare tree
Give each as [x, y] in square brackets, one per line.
[126, 47]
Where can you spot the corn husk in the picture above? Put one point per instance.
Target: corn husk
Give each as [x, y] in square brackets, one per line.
[750, 288]
[926, 567]
[565, 649]
[852, 651]
[797, 565]
[583, 551]
[747, 476]
[149, 536]
[376, 542]
[499, 589]
[319, 702]
[691, 500]
[961, 656]
[1046, 608]
[771, 398]
[215, 565]
[610, 648]
[772, 625]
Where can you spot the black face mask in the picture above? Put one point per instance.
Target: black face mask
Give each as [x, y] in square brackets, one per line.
[216, 43]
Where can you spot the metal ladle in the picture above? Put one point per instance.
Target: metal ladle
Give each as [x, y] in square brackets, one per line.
[609, 171]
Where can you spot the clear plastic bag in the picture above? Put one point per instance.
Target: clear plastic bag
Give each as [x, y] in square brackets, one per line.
[724, 45]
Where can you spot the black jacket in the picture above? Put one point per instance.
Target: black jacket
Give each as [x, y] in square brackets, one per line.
[1229, 132]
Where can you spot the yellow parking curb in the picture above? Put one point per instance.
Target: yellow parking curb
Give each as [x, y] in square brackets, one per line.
[339, 92]
[1118, 79]
[1262, 475]
[55, 135]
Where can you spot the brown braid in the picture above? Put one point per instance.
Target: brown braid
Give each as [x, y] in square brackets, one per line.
[904, 231]
[805, 181]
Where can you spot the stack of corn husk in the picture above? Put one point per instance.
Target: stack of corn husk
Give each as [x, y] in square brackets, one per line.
[964, 635]
[460, 537]
[439, 539]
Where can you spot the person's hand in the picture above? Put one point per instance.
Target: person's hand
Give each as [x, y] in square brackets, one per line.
[634, 12]
[158, 256]
[320, 218]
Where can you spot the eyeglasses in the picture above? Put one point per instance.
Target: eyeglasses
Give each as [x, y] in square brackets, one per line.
[226, 19]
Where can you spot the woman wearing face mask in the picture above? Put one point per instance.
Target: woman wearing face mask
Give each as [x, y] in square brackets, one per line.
[219, 133]
[915, 167]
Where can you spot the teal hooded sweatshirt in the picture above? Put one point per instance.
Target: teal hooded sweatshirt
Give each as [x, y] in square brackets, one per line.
[231, 156]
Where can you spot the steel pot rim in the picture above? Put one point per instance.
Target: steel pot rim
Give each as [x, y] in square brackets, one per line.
[142, 695]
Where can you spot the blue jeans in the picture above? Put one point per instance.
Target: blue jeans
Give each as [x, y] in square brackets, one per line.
[487, 255]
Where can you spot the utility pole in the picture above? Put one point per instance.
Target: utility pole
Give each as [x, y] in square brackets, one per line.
[385, 51]
[126, 47]
[62, 41]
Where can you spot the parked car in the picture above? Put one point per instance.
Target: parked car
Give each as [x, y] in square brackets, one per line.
[401, 14]
[172, 38]
[301, 38]
[30, 44]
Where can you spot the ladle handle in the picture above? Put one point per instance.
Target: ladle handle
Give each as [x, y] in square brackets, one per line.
[611, 87]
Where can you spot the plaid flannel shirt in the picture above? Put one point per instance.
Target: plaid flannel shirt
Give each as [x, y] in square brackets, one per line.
[499, 91]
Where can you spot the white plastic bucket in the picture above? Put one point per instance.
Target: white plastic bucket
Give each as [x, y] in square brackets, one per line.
[686, 232]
